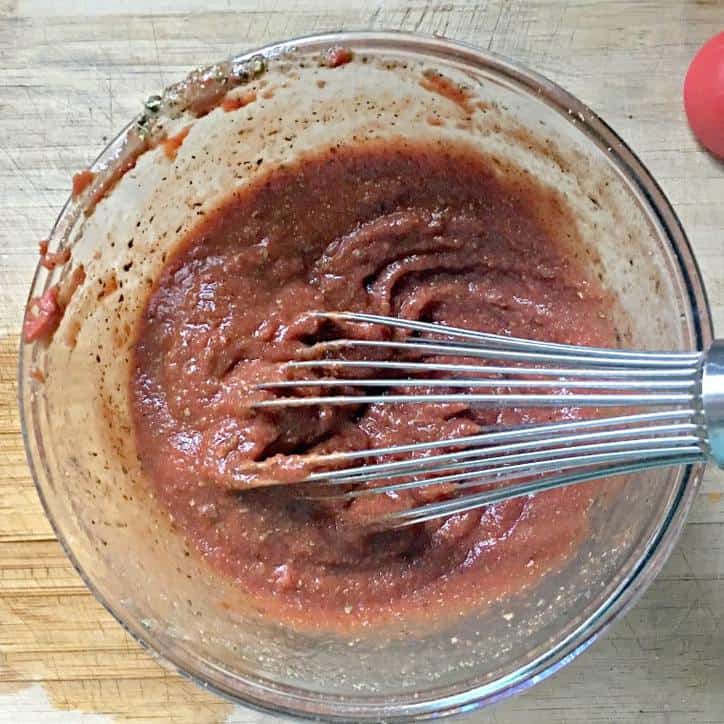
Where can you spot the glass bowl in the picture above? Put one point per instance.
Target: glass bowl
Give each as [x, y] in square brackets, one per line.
[73, 391]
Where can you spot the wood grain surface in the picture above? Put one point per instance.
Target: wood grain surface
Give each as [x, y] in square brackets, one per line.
[72, 72]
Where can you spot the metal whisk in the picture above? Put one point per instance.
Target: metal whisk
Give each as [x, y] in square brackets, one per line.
[674, 403]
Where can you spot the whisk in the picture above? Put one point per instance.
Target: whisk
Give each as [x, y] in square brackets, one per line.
[674, 403]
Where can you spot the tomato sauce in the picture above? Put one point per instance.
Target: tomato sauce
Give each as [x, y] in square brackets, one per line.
[422, 232]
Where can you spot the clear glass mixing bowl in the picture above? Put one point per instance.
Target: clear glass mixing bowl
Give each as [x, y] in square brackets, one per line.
[77, 427]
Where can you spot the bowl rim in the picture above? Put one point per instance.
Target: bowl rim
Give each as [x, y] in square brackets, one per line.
[297, 703]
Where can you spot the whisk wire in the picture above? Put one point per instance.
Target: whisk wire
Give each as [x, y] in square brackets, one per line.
[504, 453]
[476, 478]
[506, 342]
[463, 504]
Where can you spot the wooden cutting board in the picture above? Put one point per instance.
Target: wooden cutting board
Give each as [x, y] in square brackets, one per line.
[72, 72]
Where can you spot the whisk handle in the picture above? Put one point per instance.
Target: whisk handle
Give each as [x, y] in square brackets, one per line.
[712, 399]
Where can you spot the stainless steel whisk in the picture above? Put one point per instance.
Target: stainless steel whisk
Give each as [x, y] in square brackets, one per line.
[675, 402]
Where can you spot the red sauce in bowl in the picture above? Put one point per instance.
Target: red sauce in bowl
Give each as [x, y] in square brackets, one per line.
[419, 232]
